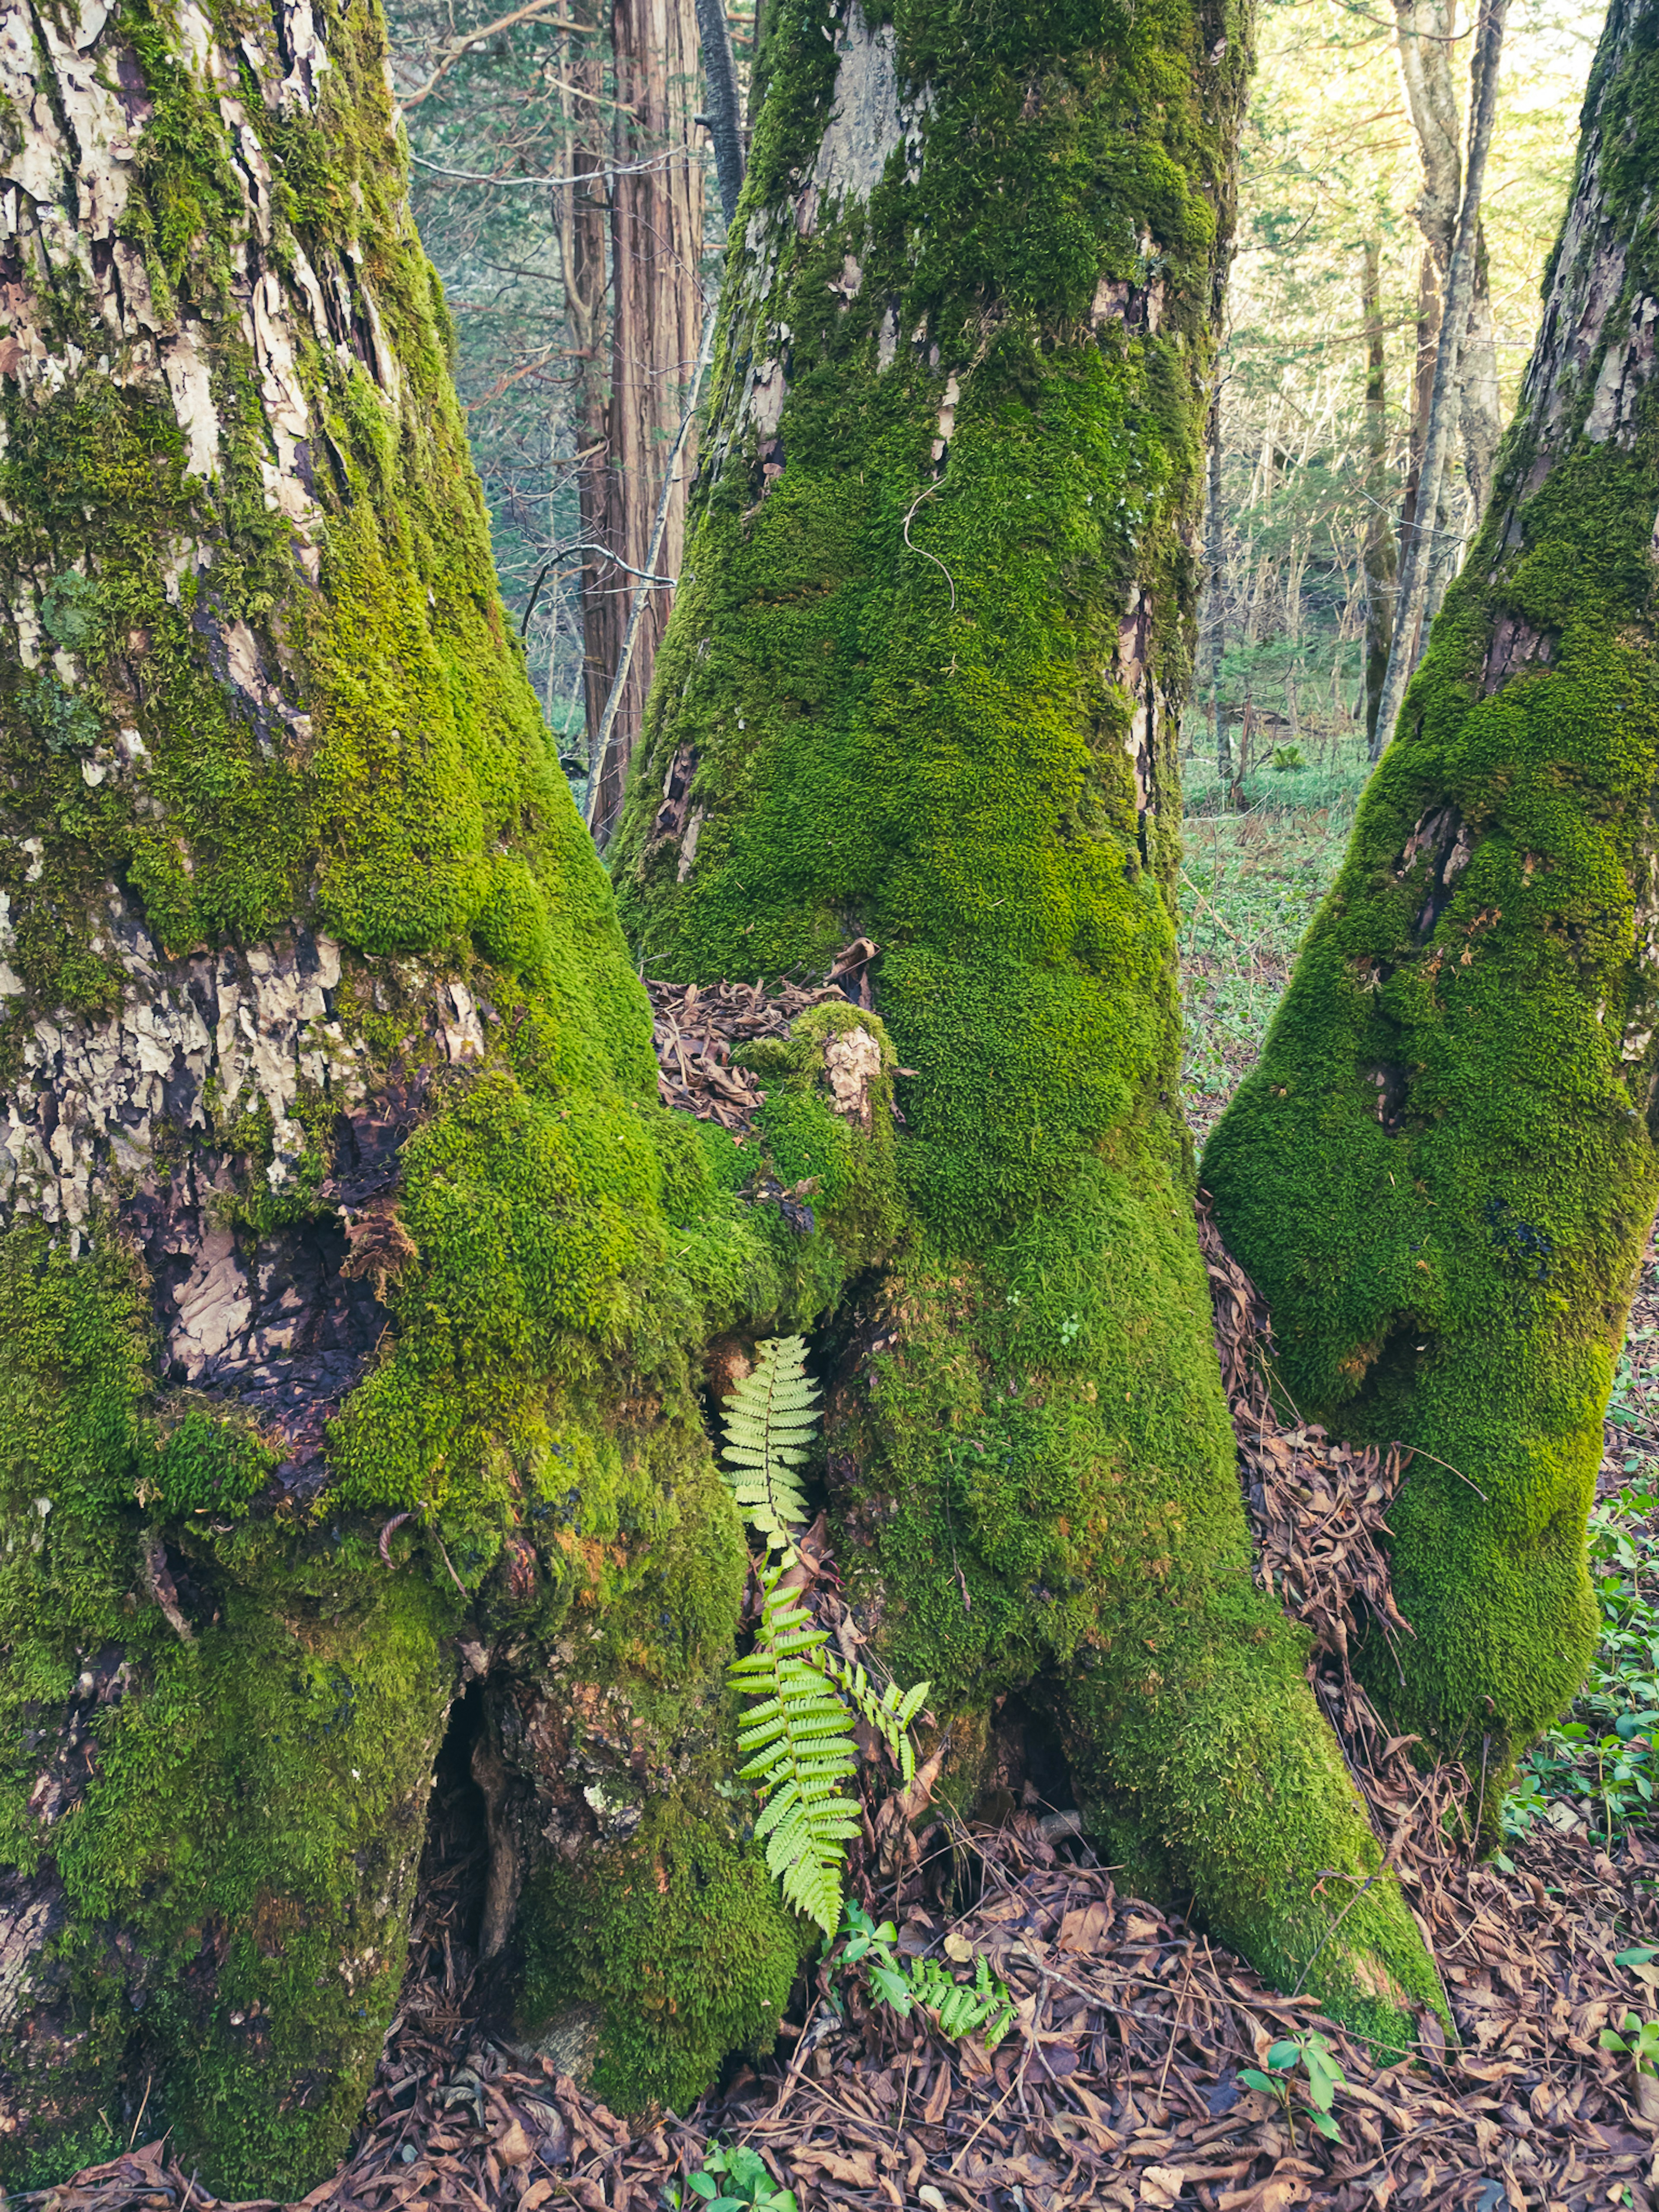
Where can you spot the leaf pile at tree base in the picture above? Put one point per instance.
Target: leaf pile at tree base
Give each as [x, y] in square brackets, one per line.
[1119, 2089]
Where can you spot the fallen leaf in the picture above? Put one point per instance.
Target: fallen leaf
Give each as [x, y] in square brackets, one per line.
[1161, 2185]
[513, 2147]
[859, 2170]
[1084, 1929]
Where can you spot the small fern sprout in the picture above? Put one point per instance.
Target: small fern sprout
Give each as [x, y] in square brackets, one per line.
[769, 1420]
[888, 1713]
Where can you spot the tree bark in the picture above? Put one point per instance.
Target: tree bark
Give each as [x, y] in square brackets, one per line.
[1443, 1173]
[1424, 552]
[656, 322]
[347, 1354]
[1426, 45]
[1382, 554]
[923, 687]
[725, 109]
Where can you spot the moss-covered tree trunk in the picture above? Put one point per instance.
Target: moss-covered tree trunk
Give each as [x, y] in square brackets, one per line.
[1443, 1173]
[346, 1352]
[922, 683]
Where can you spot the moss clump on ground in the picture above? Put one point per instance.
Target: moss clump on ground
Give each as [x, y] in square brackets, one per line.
[680, 1941]
[937, 615]
[1443, 1174]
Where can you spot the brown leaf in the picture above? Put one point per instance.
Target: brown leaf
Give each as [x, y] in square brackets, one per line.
[1084, 1929]
[859, 2170]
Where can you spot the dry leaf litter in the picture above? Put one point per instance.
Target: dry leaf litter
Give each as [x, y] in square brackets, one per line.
[1119, 2086]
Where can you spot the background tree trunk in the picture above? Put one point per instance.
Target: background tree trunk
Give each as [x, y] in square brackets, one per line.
[1427, 47]
[1426, 560]
[1382, 554]
[656, 322]
[1443, 1174]
[347, 1357]
[1215, 587]
[922, 686]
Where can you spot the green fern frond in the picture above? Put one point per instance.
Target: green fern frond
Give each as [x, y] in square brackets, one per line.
[889, 1711]
[769, 1418]
[797, 1745]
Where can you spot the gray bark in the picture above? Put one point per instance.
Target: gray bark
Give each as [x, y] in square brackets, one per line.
[1417, 563]
[725, 111]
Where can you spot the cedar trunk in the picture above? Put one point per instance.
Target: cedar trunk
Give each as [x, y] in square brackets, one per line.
[655, 323]
[1443, 1173]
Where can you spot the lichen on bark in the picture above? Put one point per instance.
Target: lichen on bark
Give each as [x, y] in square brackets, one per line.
[1441, 1174]
[921, 682]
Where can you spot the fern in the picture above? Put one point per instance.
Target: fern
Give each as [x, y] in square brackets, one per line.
[798, 1745]
[769, 1418]
[797, 1742]
[890, 1712]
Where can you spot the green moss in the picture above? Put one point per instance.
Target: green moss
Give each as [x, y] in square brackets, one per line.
[237, 1858]
[1443, 1174]
[678, 1938]
[512, 929]
[209, 1464]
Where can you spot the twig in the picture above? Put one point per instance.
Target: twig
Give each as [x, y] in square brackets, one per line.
[927, 493]
[454, 1577]
[1175, 2032]
[586, 177]
[1451, 1469]
[142, 2109]
[791, 2077]
[1333, 1874]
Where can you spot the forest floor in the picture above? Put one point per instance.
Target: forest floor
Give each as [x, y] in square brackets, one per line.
[1119, 2084]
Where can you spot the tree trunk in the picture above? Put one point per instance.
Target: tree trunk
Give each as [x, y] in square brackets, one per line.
[349, 1357]
[1443, 1173]
[725, 108]
[656, 322]
[1215, 587]
[1426, 45]
[1425, 554]
[1382, 555]
[922, 686]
